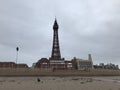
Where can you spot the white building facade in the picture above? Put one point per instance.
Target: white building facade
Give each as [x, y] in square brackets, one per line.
[85, 64]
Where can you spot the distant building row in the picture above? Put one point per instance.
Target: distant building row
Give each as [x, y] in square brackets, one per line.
[107, 66]
[75, 63]
[12, 65]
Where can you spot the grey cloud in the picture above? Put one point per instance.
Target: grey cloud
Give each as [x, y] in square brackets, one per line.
[89, 26]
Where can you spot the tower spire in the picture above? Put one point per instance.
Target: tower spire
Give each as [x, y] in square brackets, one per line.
[55, 26]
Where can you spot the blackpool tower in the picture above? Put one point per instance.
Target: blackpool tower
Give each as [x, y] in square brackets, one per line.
[56, 62]
[55, 55]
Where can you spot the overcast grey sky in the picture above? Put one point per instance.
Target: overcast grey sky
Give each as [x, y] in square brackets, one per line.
[85, 26]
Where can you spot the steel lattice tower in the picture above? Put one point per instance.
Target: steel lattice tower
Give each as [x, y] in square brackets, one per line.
[55, 55]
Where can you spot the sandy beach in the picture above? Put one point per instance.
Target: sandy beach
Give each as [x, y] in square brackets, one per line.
[60, 83]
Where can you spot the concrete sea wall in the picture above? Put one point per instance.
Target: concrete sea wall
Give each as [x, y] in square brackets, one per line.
[44, 72]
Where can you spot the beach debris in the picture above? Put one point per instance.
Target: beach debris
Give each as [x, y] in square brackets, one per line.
[89, 80]
[82, 82]
[99, 80]
[2, 80]
[18, 82]
[53, 79]
[75, 78]
[11, 80]
[114, 81]
[38, 80]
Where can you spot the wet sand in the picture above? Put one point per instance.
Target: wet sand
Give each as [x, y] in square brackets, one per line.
[60, 83]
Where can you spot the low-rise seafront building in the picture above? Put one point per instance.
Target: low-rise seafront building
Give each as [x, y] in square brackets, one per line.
[7, 65]
[22, 65]
[12, 65]
[44, 63]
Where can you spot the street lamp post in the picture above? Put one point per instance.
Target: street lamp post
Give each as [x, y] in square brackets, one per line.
[17, 49]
